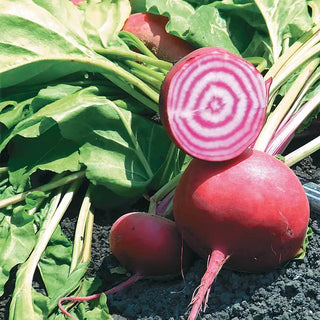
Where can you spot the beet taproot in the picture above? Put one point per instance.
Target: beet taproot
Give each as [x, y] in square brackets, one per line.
[250, 214]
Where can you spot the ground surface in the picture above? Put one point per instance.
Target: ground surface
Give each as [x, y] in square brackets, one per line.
[291, 292]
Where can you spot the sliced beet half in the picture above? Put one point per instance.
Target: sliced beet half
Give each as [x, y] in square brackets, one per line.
[213, 104]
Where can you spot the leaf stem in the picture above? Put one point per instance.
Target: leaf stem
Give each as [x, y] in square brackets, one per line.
[275, 118]
[150, 103]
[295, 107]
[307, 40]
[133, 41]
[169, 158]
[294, 65]
[284, 135]
[127, 77]
[162, 192]
[130, 55]
[26, 271]
[79, 236]
[259, 62]
[297, 155]
[87, 243]
[142, 72]
[4, 170]
[44, 188]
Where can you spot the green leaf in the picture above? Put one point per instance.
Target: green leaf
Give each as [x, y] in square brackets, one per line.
[14, 112]
[302, 252]
[88, 287]
[21, 309]
[208, 28]
[6, 191]
[175, 163]
[259, 46]
[49, 151]
[51, 94]
[178, 11]
[26, 302]
[31, 126]
[202, 27]
[284, 19]
[17, 239]
[96, 309]
[72, 283]
[54, 267]
[104, 19]
[122, 151]
[66, 13]
[54, 264]
[101, 311]
[243, 20]
[41, 41]
[246, 10]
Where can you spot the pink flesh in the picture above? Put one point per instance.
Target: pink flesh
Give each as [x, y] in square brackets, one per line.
[213, 104]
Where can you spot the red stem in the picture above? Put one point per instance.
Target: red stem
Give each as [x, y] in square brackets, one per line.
[216, 261]
[115, 289]
[164, 204]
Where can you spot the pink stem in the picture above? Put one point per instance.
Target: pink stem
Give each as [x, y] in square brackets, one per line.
[164, 204]
[115, 289]
[284, 135]
[216, 261]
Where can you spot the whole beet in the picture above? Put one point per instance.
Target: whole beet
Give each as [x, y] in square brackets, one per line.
[250, 213]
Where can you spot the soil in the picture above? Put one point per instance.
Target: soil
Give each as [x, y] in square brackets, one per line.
[290, 292]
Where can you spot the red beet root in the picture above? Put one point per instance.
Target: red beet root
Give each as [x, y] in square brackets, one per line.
[250, 213]
[147, 245]
[150, 29]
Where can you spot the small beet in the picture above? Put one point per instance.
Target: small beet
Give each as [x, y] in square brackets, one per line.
[150, 29]
[147, 245]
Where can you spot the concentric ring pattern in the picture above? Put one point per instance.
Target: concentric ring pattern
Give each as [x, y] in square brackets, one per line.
[216, 105]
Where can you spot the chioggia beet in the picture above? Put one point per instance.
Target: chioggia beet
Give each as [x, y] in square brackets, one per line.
[250, 214]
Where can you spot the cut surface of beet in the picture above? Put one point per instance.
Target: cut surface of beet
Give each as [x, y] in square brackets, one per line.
[213, 104]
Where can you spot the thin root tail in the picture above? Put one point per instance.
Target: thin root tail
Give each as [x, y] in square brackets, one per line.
[200, 297]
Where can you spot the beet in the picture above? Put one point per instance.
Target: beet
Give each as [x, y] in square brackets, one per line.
[148, 246]
[213, 104]
[249, 213]
[150, 29]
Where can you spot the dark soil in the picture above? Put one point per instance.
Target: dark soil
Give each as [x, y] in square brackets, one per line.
[290, 292]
